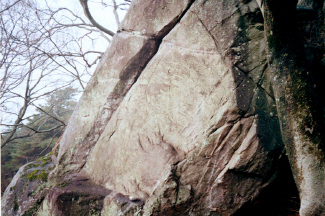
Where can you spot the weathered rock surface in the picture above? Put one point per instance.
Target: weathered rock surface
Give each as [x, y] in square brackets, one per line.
[178, 119]
[27, 189]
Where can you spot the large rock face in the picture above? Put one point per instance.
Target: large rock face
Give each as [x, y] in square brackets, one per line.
[179, 118]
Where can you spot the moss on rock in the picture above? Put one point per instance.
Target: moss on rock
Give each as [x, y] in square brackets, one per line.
[31, 165]
[16, 206]
[32, 176]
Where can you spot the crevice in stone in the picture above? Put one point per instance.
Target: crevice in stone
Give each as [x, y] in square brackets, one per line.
[207, 52]
[271, 96]
[247, 72]
[214, 128]
[240, 82]
[128, 77]
[215, 148]
[176, 180]
[225, 169]
[174, 196]
[225, 18]
[242, 116]
[258, 84]
[167, 28]
[111, 135]
[251, 100]
[246, 174]
[241, 70]
[207, 30]
[140, 144]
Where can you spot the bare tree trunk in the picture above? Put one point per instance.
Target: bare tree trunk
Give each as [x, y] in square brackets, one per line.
[301, 118]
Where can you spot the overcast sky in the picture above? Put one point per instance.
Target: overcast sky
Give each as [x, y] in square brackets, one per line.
[103, 15]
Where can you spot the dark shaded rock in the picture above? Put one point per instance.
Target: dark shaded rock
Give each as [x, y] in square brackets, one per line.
[80, 196]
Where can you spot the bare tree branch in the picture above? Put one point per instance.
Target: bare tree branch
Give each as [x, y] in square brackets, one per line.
[43, 49]
[84, 4]
[117, 19]
[59, 120]
[21, 114]
[8, 7]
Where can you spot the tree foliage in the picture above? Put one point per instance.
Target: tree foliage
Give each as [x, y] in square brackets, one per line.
[57, 106]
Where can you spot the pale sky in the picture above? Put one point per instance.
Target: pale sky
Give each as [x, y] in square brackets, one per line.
[103, 15]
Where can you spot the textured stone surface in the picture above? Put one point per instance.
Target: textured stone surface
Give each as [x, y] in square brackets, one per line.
[199, 109]
[27, 189]
[179, 118]
[127, 56]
